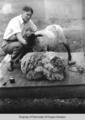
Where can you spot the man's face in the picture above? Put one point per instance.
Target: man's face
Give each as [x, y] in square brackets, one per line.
[26, 16]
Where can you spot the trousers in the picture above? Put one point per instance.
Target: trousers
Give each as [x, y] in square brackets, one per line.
[16, 49]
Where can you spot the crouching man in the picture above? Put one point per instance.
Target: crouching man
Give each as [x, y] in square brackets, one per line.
[14, 42]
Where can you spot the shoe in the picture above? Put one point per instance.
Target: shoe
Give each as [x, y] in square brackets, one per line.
[11, 67]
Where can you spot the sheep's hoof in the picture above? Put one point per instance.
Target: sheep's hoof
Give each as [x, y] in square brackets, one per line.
[71, 62]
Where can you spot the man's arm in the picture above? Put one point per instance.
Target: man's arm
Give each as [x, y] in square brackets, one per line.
[33, 26]
[21, 39]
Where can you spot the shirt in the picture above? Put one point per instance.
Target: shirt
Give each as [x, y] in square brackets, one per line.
[16, 25]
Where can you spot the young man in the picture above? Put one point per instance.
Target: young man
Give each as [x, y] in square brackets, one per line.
[13, 39]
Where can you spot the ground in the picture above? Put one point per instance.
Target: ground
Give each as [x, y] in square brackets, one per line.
[75, 35]
[44, 105]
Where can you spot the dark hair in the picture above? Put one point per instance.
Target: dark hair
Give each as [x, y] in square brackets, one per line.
[27, 8]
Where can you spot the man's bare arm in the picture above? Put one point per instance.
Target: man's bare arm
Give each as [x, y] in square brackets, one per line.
[21, 39]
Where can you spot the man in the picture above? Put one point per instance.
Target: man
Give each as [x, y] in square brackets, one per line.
[14, 42]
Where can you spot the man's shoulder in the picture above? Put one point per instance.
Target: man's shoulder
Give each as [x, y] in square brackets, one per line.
[16, 18]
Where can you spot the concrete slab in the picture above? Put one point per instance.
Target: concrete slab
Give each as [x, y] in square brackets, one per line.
[21, 81]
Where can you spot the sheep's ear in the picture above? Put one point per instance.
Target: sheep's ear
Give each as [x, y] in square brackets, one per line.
[38, 35]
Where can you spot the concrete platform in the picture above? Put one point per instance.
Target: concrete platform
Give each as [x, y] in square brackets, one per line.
[72, 86]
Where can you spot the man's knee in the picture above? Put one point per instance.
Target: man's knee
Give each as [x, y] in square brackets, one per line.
[10, 47]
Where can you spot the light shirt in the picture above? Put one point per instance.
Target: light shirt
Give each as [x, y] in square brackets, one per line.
[16, 25]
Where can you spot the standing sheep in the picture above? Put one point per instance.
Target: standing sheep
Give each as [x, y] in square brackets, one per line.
[48, 38]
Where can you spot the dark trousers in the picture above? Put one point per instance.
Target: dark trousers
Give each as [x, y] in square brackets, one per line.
[16, 49]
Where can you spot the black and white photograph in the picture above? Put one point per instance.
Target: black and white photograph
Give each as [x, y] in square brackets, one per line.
[42, 57]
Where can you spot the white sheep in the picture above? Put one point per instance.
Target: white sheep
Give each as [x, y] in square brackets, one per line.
[48, 39]
[52, 34]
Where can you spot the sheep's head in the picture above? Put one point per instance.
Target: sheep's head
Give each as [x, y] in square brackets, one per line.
[32, 40]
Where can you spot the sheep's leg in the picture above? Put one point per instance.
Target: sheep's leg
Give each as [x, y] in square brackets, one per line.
[68, 50]
[63, 41]
[70, 62]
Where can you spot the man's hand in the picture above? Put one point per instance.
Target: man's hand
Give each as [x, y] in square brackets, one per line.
[28, 33]
[21, 39]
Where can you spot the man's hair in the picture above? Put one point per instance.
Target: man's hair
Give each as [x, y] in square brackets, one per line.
[27, 8]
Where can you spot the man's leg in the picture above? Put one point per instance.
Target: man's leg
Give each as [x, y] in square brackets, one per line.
[13, 48]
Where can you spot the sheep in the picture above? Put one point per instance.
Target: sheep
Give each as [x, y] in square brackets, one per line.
[48, 38]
